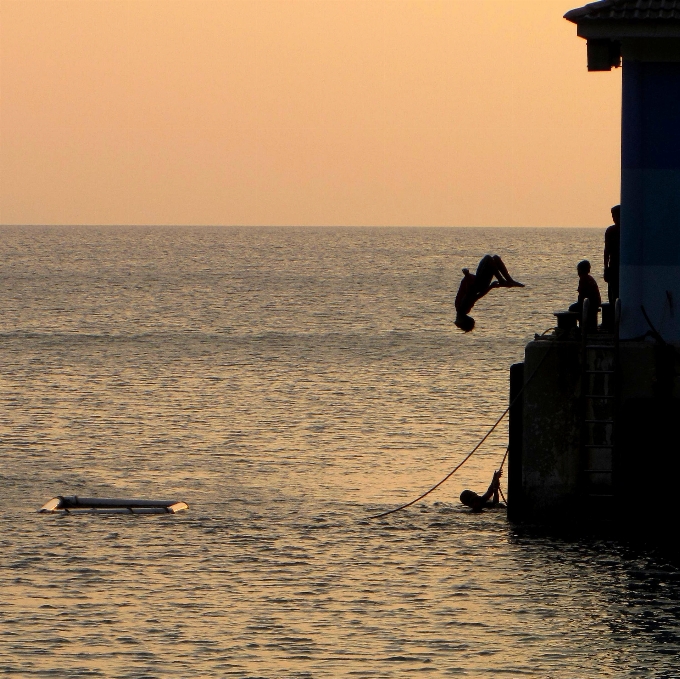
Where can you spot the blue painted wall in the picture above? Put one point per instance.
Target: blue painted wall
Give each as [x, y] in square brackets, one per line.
[650, 198]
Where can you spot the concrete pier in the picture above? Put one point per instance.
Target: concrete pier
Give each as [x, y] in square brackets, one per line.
[553, 475]
[595, 418]
[550, 431]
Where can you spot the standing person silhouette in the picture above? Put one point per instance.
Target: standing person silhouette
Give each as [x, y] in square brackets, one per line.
[612, 251]
[475, 286]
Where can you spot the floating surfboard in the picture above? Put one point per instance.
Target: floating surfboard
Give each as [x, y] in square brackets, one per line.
[73, 504]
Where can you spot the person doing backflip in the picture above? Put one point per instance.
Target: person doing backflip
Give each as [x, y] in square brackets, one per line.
[475, 286]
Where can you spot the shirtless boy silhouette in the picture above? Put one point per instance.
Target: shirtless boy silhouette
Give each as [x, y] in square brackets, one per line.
[489, 499]
[475, 286]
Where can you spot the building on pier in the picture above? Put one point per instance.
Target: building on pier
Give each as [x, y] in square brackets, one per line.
[595, 428]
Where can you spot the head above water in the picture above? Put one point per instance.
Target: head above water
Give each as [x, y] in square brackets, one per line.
[469, 498]
[583, 267]
[464, 322]
[616, 214]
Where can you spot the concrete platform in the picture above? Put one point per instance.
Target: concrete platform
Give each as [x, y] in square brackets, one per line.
[561, 436]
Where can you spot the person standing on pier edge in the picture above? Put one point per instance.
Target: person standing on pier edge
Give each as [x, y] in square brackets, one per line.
[612, 248]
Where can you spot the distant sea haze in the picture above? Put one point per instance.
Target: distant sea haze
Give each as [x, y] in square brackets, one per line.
[287, 384]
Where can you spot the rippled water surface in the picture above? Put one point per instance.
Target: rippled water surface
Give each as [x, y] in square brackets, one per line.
[288, 383]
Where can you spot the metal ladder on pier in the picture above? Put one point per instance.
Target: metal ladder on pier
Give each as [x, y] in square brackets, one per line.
[600, 385]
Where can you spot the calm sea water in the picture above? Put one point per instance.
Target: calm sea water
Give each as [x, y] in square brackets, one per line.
[288, 383]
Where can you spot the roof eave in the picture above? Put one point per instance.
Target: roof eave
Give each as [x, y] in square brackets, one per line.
[574, 15]
[618, 29]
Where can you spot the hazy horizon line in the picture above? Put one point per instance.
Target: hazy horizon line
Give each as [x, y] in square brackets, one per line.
[299, 226]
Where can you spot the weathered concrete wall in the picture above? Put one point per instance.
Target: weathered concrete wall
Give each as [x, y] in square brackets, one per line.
[548, 472]
[515, 495]
[550, 454]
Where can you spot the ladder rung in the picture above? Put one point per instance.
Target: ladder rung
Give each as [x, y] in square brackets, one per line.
[600, 372]
[598, 396]
[600, 346]
[598, 471]
[599, 421]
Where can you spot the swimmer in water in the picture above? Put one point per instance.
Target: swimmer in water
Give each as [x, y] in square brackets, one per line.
[490, 499]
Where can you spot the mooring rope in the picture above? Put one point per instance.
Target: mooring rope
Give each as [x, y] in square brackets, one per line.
[476, 448]
[505, 457]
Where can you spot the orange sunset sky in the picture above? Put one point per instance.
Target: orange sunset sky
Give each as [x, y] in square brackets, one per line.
[303, 112]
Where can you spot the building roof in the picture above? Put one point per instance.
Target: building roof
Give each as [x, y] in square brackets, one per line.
[626, 10]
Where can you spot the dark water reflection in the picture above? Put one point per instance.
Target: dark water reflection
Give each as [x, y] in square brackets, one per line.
[245, 594]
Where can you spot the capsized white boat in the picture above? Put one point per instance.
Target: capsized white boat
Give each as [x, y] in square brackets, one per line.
[73, 504]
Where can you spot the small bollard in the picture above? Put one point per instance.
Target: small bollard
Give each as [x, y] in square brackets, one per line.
[566, 320]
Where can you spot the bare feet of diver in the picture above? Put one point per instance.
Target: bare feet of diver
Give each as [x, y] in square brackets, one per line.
[510, 284]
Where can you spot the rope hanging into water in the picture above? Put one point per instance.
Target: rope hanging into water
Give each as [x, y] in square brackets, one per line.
[451, 473]
[505, 457]
[474, 450]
